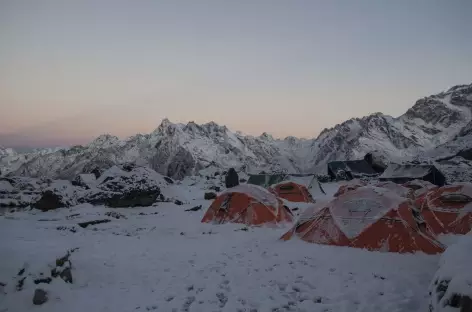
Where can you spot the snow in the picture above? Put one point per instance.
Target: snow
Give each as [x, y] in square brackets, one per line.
[144, 263]
[454, 274]
[5, 186]
[405, 171]
[88, 178]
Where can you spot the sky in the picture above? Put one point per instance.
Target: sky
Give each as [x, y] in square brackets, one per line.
[72, 70]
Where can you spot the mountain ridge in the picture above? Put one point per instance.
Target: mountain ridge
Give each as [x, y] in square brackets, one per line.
[178, 149]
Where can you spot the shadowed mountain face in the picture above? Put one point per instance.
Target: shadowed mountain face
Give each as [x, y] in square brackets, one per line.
[178, 150]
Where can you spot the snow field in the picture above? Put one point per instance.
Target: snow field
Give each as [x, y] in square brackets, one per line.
[169, 261]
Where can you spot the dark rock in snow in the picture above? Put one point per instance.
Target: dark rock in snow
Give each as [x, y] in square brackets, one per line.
[168, 180]
[178, 202]
[46, 280]
[119, 188]
[66, 275]
[242, 180]
[20, 284]
[21, 272]
[40, 296]
[215, 188]
[210, 195]
[85, 224]
[115, 215]
[196, 208]
[50, 201]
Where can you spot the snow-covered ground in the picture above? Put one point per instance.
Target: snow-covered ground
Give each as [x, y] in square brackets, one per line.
[163, 258]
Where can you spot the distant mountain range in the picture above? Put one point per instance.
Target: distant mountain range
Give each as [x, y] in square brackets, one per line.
[435, 126]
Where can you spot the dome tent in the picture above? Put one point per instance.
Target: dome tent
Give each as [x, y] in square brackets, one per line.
[369, 218]
[292, 192]
[247, 204]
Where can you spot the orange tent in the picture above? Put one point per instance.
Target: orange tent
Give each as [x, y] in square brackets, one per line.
[249, 204]
[349, 186]
[368, 217]
[292, 192]
[447, 209]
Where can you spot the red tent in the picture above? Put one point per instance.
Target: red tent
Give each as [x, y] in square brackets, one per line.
[447, 209]
[368, 217]
[249, 204]
[292, 191]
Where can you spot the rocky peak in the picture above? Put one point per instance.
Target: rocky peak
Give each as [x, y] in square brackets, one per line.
[6, 152]
[266, 136]
[104, 141]
[166, 128]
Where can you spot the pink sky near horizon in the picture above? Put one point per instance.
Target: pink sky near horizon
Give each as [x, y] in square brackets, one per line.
[70, 71]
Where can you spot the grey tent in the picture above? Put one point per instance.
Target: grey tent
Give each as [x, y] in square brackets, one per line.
[404, 173]
[350, 169]
[266, 180]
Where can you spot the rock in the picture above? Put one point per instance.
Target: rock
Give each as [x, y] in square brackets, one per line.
[232, 178]
[178, 202]
[62, 260]
[215, 188]
[118, 188]
[196, 208]
[20, 284]
[85, 224]
[21, 272]
[46, 280]
[377, 161]
[40, 296]
[66, 275]
[168, 180]
[50, 201]
[242, 180]
[115, 215]
[210, 195]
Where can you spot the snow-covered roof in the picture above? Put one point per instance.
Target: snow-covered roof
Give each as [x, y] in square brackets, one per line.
[406, 171]
[255, 191]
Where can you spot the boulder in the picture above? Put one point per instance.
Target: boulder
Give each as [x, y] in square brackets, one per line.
[168, 180]
[130, 198]
[40, 296]
[210, 195]
[50, 201]
[132, 186]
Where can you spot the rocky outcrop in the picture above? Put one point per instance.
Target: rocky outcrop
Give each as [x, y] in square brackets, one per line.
[126, 186]
[50, 201]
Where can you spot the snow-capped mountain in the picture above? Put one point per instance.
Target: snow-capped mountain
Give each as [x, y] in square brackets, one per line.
[178, 150]
[172, 149]
[431, 122]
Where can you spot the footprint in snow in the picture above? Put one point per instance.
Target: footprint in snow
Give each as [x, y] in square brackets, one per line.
[188, 302]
